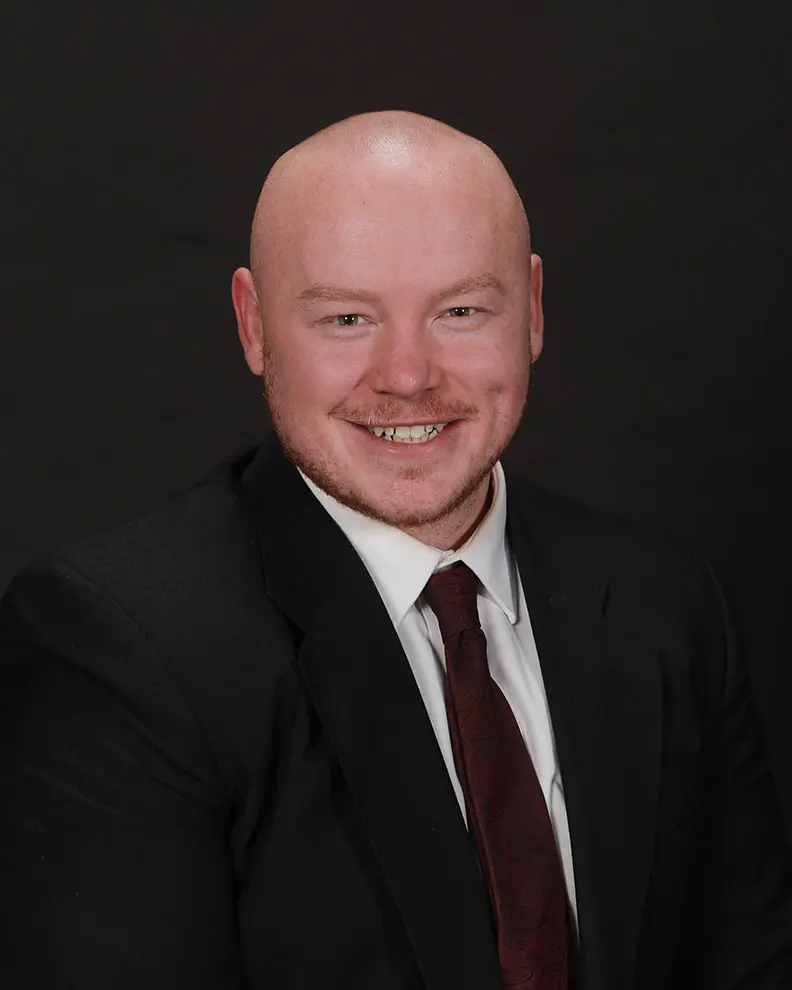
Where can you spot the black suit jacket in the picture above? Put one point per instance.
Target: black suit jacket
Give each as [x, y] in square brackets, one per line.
[217, 771]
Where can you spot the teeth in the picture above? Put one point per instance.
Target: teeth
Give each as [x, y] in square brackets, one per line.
[408, 434]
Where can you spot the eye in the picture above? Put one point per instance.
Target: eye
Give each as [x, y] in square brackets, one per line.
[347, 319]
[461, 311]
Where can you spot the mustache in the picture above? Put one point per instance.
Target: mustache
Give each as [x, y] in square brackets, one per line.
[430, 410]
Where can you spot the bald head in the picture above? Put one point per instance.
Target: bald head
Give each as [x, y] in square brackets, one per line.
[389, 153]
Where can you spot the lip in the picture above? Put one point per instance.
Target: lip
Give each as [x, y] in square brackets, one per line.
[417, 422]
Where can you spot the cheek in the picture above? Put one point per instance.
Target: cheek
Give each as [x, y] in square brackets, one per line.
[493, 368]
[313, 374]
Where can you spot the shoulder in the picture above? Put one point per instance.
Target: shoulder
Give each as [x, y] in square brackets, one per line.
[165, 614]
[195, 541]
[182, 582]
[578, 528]
[648, 588]
[648, 575]
[193, 532]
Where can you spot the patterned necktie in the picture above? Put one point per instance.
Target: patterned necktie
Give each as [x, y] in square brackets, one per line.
[506, 809]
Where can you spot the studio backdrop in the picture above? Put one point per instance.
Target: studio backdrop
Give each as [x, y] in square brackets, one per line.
[650, 144]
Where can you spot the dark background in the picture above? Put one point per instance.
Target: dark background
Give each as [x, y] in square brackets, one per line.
[649, 141]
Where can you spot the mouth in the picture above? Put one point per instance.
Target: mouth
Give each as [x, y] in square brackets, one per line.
[413, 433]
[408, 440]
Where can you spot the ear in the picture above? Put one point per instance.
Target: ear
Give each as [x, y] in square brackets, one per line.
[249, 322]
[537, 314]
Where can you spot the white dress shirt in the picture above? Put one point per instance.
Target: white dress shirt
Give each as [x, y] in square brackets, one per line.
[400, 567]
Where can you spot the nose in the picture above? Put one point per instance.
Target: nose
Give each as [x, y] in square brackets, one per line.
[405, 362]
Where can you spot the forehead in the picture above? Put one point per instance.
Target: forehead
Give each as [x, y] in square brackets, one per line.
[396, 226]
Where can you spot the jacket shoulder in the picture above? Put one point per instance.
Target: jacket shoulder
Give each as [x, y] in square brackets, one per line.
[193, 532]
[187, 574]
[594, 532]
[649, 580]
[170, 609]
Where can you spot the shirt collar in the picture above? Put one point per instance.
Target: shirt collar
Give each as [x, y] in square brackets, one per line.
[400, 565]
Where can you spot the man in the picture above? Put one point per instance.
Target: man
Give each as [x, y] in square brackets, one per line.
[346, 717]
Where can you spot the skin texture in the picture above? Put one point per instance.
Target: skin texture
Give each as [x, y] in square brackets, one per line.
[392, 283]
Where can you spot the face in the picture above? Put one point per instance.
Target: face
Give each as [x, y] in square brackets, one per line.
[406, 303]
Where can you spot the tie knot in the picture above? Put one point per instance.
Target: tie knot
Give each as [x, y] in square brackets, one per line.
[451, 595]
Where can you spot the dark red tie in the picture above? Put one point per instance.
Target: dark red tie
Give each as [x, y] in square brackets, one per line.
[506, 809]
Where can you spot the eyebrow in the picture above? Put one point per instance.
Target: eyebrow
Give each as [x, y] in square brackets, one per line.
[319, 292]
[334, 293]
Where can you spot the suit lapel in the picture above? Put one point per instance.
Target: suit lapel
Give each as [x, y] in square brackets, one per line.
[361, 685]
[604, 693]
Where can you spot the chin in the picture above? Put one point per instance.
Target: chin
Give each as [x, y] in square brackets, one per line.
[406, 502]
[408, 512]
[398, 515]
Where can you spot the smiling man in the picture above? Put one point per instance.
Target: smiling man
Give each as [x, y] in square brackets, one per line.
[345, 715]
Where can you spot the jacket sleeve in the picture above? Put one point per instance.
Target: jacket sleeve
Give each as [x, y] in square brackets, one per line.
[113, 866]
[738, 920]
